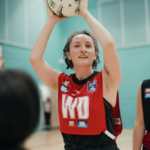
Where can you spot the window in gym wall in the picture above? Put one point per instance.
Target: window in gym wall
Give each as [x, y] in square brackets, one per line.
[127, 20]
[21, 21]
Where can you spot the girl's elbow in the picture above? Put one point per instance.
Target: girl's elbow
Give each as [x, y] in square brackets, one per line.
[111, 43]
[31, 58]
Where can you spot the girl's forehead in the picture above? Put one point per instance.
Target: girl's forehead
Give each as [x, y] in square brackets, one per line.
[80, 37]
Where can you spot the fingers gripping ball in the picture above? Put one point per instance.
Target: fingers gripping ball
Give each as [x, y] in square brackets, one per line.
[64, 8]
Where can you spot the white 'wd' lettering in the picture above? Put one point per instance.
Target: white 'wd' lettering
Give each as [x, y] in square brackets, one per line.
[69, 104]
[83, 107]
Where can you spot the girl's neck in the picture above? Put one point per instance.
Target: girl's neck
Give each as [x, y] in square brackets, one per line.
[83, 73]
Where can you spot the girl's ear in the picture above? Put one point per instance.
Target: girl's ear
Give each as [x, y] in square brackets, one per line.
[68, 55]
[95, 55]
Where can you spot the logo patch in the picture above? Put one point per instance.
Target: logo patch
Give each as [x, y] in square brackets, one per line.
[92, 86]
[71, 123]
[147, 90]
[64, 88]
[82, 124]
[117, 121]
[66, 83]
[147, 95]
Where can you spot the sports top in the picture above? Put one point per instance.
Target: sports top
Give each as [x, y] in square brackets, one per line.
[146, 103]
[81, 108]
[100, 141]
[145, 90]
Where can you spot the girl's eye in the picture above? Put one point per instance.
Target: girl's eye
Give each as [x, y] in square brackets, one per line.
[88, 46]
[77, 45]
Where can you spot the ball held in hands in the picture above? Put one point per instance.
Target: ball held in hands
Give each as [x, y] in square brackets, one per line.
[64, 8]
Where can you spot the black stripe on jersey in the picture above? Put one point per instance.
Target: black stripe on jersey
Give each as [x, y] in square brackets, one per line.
[82, 82]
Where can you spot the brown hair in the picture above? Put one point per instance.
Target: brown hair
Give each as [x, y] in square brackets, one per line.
[67, 49]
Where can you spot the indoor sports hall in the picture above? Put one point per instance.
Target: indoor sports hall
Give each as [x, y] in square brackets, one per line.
[128, 21]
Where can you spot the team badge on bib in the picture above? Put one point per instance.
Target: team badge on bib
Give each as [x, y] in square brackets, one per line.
[64, 88]
[147, 93]
[82, 124]
[92, 86]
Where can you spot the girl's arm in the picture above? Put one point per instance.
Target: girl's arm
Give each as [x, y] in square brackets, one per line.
[139, 126]
[111, 72]
[48, 75]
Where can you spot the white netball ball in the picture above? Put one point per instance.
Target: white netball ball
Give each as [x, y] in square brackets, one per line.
[64, 8]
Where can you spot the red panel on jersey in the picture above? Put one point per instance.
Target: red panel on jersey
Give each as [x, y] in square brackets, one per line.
[81, 108]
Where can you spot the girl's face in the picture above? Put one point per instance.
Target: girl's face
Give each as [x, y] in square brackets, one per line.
[82, 50]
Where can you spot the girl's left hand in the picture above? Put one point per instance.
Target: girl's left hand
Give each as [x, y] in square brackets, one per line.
[51, 15]
[83, 7]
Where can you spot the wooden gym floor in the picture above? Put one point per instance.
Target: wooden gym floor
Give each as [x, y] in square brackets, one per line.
[52, 140]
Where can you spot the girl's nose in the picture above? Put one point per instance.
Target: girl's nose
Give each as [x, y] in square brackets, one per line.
[83, 48]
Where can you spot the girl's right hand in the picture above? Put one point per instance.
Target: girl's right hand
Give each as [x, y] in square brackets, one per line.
[51, 15]
[83, 7]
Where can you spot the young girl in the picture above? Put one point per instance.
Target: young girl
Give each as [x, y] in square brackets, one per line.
[86, 98]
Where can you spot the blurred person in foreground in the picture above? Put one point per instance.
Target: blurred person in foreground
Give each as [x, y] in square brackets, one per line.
[141, 132]
[19, 109]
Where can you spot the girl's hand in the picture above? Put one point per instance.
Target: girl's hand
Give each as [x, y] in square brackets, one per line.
[51, 15]
[83, 7]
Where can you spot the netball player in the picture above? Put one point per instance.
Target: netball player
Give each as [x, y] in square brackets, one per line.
[141, 132]
[86, 98]
[19, 109]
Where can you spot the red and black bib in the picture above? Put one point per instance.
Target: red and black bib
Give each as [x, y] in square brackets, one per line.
[81, 108]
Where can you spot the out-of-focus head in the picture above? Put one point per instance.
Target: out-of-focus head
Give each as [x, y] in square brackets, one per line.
[48, 99]
[81, 42]
[19, 107]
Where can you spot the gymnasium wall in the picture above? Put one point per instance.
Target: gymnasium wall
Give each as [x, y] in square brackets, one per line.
[127, 20]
